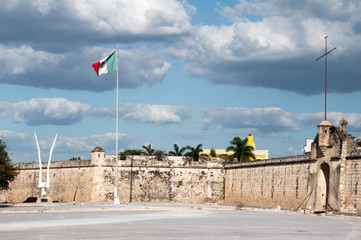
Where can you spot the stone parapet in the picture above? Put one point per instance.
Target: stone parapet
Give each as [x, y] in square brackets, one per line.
[272, 161]
[56, 164]
[172, 162]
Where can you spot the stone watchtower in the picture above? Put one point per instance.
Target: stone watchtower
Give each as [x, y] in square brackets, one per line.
[324, 132]
[98, 156]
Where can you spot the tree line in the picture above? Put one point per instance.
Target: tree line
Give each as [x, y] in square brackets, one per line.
[239, 148]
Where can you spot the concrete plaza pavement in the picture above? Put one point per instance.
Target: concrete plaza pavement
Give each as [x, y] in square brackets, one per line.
[168, 221]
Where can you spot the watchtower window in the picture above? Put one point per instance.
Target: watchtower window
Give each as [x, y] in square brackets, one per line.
[325, 131]
[98, 155]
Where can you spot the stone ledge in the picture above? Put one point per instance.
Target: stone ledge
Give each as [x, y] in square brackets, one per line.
[56, 164]
[273, 161]
[354, 154]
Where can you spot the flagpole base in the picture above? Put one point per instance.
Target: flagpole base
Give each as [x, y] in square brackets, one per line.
[116, 201]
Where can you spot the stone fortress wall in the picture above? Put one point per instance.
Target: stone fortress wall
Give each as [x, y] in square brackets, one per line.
[329, 178]
[66, 179]
[293, 183]
[141, 179]
[277, 182]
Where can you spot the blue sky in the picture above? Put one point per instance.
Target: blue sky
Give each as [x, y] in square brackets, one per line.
[190, 72]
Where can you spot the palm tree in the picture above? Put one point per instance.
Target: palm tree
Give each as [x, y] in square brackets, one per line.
[177, 151]
[159, 154]
[242, 151]
[148, 150]
[194, 152]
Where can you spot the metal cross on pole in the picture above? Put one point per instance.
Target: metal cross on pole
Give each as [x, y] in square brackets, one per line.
[325, 55]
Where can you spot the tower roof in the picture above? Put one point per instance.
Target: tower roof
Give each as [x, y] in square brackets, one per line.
[98, 149]
[325, 123]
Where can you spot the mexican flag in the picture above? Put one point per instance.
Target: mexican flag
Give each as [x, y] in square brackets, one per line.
[106, 65]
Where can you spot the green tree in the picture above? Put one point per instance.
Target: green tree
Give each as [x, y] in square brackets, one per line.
[194, 152]
[241, 150]
[8, 171]
[148, 150]
[177, 151]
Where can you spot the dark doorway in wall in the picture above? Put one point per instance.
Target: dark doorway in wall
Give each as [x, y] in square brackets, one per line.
[322, 187]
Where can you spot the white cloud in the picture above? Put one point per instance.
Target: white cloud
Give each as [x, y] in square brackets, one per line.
[158, 114]
[265, 120]
[60, 111]
[353, 119]
[24, 59]
[142, 66]
[273, 44]
[119, 20]
[45, 111]
[259, 9]
[25, 66]
[272, 120]
[10, 4]
[17, 140]
[86, 144]
[269, 44]
[45, 6]
[103, 112]
[145, 113]
[135, 17]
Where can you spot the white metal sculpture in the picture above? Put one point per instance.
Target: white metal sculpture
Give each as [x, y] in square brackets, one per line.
[44, 185]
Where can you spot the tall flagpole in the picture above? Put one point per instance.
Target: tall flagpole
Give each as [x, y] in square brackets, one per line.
[116, 198]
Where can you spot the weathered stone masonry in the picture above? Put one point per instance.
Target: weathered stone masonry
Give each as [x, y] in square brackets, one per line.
[352, 184]
[327, 179]
[277, 182]
[141, 179]
[67, 180]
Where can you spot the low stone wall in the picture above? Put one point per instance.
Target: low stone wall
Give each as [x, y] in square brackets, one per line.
[69, 180]
[352, 188]
[141, 179]
[281, 182]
